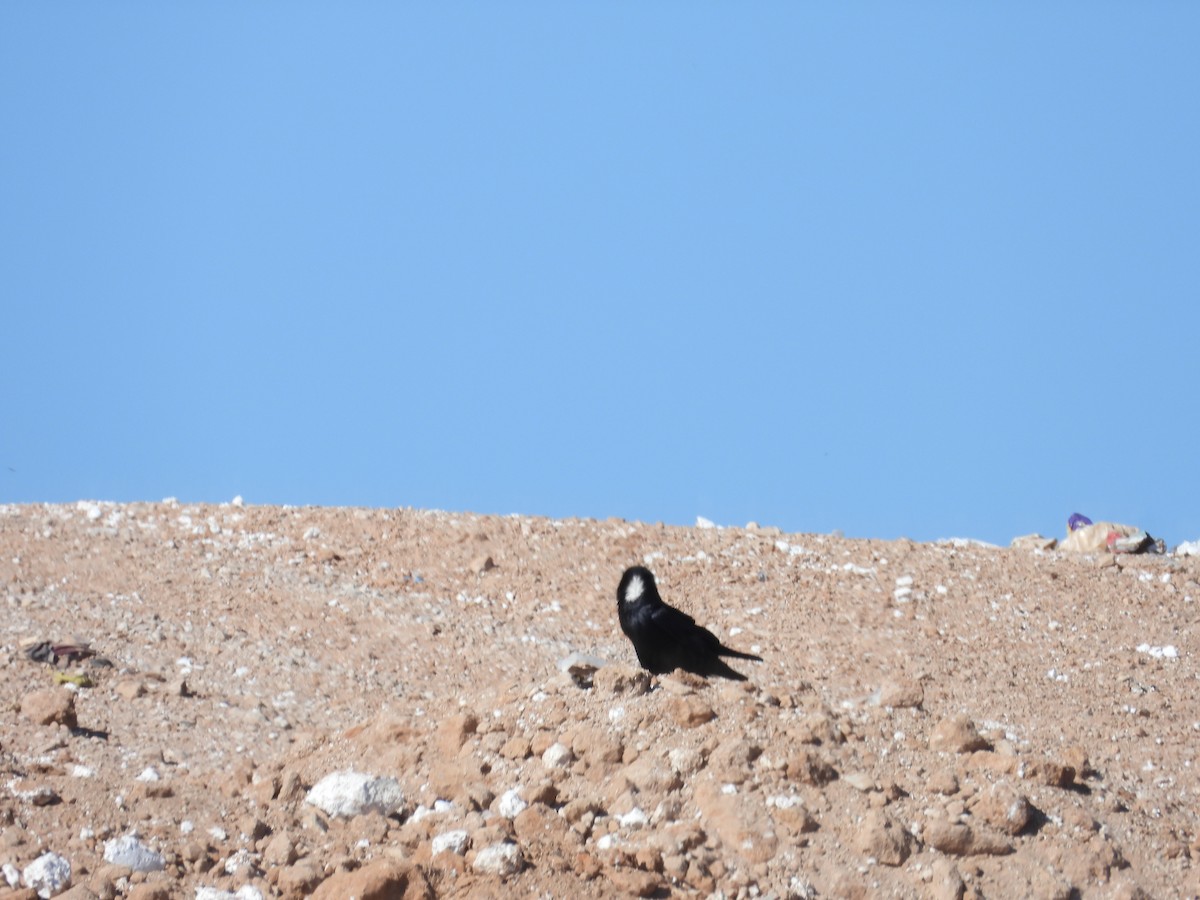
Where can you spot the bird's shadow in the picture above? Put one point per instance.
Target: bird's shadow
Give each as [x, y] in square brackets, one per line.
[82, 732]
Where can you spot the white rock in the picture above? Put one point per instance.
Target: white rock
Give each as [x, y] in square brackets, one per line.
[685, 760]
[238, 501]
[635, 818]
[131, 853]
[49, 874]
[242, 860]
[11, 875]
[499, 859]
[962, 543]
[149, 774]
[1188, 548]
[790, 549]
[422, 811]
[245, 892]
[1170, 651]
[702, 522]
[454, 841]
[557, 756]
[312, 533]
[511, 805]
[352, 793]
[785, 801]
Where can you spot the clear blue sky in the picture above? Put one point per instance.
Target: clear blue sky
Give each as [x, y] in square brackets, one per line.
[919, 270]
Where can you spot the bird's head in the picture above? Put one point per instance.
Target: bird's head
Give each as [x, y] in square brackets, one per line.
[637, 584]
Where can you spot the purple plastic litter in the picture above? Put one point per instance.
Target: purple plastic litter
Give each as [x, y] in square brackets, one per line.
[1077, 520]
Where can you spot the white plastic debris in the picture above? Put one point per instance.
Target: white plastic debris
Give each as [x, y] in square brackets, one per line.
[131, 853]
[49, 874]
[352, 793]
[581, 662]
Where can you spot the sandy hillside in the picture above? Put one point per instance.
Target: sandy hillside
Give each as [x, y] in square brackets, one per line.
[930, 721]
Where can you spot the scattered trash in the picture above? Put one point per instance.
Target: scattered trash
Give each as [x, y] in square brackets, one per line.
[56, 654]
[61, 654]
[1076, 521]
[1085, 536]
[581, 667]
[79, 680]
[1138, 542]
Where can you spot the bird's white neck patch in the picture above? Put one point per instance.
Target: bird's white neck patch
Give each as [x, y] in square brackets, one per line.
[635, 589]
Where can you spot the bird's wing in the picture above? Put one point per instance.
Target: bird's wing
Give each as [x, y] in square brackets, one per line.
[683, 629]
[671, 620]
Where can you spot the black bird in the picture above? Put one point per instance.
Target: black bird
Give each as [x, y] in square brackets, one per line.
[665, 638]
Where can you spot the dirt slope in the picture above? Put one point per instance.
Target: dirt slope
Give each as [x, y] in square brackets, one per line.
[930, 721]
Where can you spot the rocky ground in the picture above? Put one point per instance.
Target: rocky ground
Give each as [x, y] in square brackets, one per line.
[932, 720]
